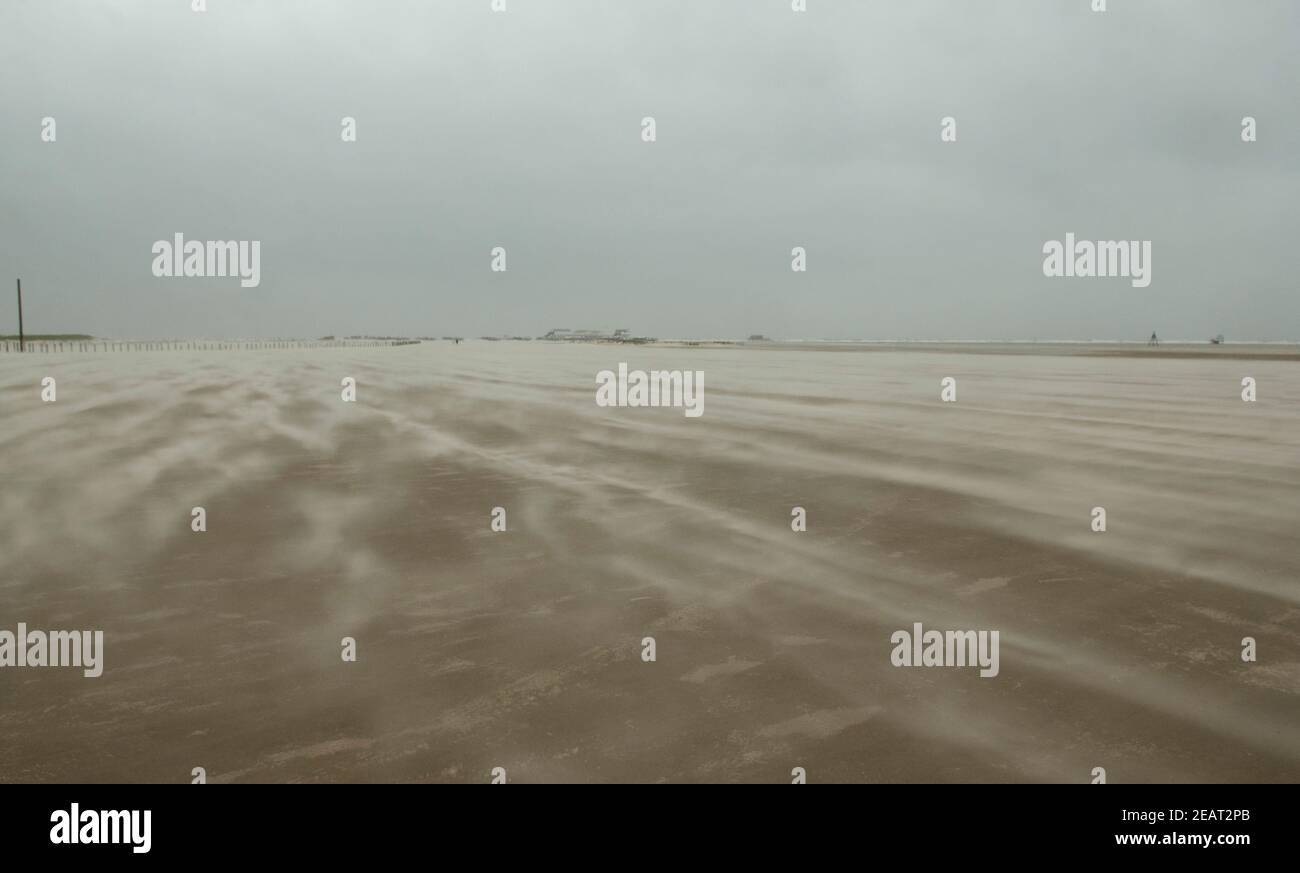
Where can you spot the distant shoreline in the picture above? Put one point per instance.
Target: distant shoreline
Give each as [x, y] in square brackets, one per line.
[1257, 351]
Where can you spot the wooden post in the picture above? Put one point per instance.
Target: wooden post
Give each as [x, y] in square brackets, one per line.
[22, 345]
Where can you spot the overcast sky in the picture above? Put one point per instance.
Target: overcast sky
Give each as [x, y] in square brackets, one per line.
[775, 129]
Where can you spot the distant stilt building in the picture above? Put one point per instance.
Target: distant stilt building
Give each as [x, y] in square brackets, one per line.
[1154, 341]
[621, 335]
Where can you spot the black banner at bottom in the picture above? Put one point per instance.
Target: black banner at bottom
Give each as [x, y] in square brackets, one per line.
[333, 823]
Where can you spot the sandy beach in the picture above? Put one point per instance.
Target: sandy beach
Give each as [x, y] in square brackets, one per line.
[523, 649]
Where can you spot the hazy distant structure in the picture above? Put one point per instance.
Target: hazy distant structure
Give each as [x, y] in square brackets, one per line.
[1154, 341]
[620, 335]
[1218, 340]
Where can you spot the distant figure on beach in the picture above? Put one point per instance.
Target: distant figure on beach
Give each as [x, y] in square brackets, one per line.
[1153, 341]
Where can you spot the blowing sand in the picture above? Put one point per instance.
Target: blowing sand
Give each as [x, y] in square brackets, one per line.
[522, 649]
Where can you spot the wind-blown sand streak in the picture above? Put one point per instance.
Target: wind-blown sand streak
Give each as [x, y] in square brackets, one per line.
[521, 649]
